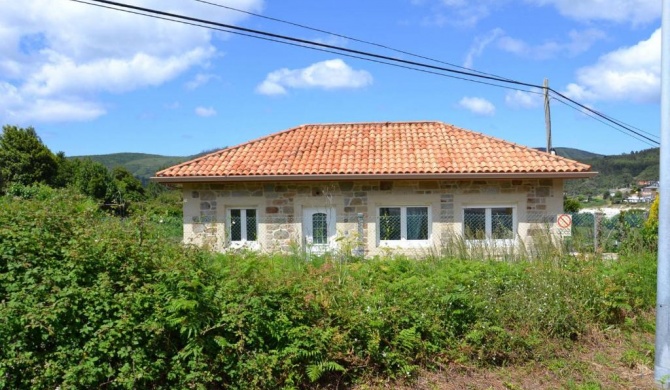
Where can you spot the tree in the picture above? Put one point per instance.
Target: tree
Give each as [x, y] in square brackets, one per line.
[93, 179]
[571, 205]
[66, 171]
[24, 159]
[129, 187]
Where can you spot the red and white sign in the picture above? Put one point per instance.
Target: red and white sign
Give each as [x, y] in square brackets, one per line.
[564, 224]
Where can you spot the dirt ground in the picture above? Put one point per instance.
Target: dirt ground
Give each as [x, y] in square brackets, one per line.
[605, 360]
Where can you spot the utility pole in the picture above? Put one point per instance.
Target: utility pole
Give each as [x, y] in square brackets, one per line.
[662, 361]
[547, 114]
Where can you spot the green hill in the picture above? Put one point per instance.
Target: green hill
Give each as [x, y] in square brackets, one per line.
[577, 154]
[141, 165]
[617, 171]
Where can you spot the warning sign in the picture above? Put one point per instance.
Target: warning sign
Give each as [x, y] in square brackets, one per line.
[564, 224]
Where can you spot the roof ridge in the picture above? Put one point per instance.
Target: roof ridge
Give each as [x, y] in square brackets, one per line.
[195, 160]
[332, 148]
[533, 150]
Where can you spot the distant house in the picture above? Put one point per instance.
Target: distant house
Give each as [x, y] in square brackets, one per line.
[650, 191]
[400, 186]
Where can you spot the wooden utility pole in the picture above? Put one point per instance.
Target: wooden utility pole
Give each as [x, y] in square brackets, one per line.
[547, 114]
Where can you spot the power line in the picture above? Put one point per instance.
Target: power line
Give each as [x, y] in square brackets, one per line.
[351, 53]
[319, 44]
[590, 115]
[603, 116]
[306, 47]
[345, 37]
[606, 117]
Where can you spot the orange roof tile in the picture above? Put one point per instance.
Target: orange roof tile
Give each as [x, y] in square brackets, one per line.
[389, 148]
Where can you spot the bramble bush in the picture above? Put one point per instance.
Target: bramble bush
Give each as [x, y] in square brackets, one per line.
[88, 300]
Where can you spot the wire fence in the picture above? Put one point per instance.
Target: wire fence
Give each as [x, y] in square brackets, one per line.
[586, 233]
[597, 232]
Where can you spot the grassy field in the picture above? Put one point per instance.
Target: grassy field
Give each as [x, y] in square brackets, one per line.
[88, 300]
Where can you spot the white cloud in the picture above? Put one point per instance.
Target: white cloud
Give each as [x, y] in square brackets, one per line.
[205, 111]
[630, 73]
[478, 106]
[62, 54]
[520, 99]
[199, 80]
[332, 40]
[459, 13]
[480, 44]
[621, 11]
[331, 74]
[579, 42]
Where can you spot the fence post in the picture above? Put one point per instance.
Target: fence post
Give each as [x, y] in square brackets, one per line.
[596, 230]
[360, 250]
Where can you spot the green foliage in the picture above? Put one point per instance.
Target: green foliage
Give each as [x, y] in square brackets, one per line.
[652, 220]
[91, 301]
[140, 165]
[93, 179]
[616, 171]
[24, 159]
[128, 186]
[650, 230]
[571, 205]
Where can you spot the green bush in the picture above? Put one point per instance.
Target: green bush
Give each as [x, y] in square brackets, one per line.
[87, 300]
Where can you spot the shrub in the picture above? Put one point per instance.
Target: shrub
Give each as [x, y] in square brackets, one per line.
[87, 300]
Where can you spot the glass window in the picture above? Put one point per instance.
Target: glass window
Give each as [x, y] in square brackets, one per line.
[496, 223]
[389, 223]
[243, 225]
[403, 223]
[502, 223]
[417, 223]
[474, 223]
[235, 225]
[252, 226]
[319, 228]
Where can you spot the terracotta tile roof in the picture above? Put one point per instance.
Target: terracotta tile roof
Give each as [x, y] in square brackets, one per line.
[391, 148]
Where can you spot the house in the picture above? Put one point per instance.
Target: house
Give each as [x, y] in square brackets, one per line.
[401, 186]
[650, 192]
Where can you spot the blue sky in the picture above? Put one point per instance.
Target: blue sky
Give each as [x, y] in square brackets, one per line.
[97, 81]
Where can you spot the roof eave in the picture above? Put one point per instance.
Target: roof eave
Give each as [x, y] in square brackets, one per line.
[413, 176]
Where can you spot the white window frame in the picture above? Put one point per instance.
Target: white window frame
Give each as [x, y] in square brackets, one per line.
[244, 242]
[403, 242]
[489, 224]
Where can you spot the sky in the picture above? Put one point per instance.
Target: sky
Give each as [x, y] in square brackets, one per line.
[92, 80]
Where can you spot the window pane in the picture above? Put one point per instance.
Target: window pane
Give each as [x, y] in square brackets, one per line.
[417, 223]
[319, 228]
[474, 224]
[502, 225]
[251, 225]
[235, 225]
[389, 223]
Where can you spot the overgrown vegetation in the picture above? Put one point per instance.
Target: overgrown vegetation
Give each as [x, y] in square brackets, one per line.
[616, 171]
[87, 301]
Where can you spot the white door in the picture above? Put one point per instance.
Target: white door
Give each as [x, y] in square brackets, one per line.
[318, 228]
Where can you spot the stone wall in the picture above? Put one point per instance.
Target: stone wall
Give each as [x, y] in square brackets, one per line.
[280, 205]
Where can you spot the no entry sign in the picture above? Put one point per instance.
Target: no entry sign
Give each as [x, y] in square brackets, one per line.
[564, 224]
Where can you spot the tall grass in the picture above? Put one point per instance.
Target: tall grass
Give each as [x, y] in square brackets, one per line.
[88, 301]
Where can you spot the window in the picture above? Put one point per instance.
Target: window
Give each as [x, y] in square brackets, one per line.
[319, 228]
[496, 223]
[242, 225]
[403, 223]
